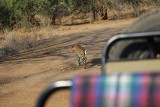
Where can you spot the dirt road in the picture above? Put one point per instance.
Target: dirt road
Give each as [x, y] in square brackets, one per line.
[24, 76]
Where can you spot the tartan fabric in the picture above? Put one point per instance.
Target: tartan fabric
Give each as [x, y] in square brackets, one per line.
[116, 90]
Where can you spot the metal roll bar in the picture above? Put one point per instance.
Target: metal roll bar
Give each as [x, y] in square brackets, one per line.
[59, 85]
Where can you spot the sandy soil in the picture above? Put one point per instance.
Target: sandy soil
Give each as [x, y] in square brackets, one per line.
[25, 75]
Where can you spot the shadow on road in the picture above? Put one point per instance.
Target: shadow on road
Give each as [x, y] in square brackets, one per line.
[94, 62]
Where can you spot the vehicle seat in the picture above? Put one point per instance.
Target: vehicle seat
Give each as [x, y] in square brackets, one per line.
[116, 90]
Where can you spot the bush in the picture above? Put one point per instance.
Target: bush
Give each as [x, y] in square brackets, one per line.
[21, 12]
[5, 14]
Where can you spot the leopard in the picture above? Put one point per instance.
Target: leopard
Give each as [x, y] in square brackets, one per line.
[81, 53]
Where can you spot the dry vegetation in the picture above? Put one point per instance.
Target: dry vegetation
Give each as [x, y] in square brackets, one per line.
[23, 40]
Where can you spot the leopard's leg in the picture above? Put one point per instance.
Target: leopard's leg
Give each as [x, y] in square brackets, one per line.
[79, 63]
[82, 60]
[84, 65]
[85, 58]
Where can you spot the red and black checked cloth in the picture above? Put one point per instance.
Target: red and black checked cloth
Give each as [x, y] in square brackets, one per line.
[116, 90]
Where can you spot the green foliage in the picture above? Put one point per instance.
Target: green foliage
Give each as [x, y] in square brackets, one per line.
[4, 14]
[21, 12]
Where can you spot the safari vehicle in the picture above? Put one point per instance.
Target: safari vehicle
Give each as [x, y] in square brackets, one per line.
[130, 74]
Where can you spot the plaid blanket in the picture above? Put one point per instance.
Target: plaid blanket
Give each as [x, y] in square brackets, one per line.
[116, 90]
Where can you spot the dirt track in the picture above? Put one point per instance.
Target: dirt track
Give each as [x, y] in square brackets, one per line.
[25, 75]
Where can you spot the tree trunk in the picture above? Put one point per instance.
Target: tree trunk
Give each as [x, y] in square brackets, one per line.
[92, 11]
[53, 22]
[105, 16]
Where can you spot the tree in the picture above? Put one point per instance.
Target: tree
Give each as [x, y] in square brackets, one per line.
[4, 15]
[102, 9]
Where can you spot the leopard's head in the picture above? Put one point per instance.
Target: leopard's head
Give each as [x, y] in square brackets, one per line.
[73, 48]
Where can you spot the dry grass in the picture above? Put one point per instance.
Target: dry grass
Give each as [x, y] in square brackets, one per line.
[27, 40]
[125, 11]
[22, 40]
